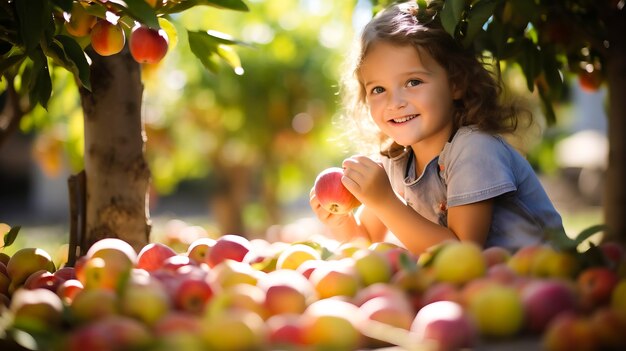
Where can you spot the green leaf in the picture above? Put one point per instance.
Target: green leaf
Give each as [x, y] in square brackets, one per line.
[529, 60]
[41, 84]
[588, 232]
[65, 5]
[236, 5]
[11, 235]
[451, 15]
[224, 38]
[406, 262]
[77, 62]
[9, 62]
[228, 54]
[560, 240]
[138, 10]
[478, 15]
[546, 104]
[205, 49]
[183, 5]
[33, 17]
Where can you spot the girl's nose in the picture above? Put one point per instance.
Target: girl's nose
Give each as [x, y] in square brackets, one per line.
[396, 101]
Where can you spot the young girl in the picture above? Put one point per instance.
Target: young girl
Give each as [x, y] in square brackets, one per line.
[446, 172]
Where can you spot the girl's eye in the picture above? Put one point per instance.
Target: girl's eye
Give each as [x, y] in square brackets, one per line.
[377, 90]
[413, 82]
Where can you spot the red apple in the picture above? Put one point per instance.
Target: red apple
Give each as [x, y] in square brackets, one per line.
[68, 290]
[613, 252]
[608, 327]
[152, 256]
[107, 38]
[569, 331]
[595, 286]
[446, 324]
[496, 254]
[192, 295]
[148, 45]
[544, 299]
[286, 291]
[110, 333]
[66, 273]
[285, 331]
[43, 279]
[332, 194]
[176, 321]
[229, 246]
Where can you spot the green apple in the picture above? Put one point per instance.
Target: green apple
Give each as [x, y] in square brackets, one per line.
[145, 299]
[25, 262]
[36, 310]
[93, 304]
[371, 267]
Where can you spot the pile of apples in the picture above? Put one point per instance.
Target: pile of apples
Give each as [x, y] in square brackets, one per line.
[233, 293]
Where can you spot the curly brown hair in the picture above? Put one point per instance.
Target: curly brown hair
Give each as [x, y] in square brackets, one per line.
[406, 24]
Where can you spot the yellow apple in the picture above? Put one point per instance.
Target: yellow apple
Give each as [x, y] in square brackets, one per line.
[334, 280]
[329, 324]
[459, 262]
[293, 256]
[236, 330]
[498, 311]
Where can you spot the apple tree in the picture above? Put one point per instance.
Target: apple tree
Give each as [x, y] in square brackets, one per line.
[108, 199]
[548, 40]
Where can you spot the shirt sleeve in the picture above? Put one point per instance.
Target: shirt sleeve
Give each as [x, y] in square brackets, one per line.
[477, 167]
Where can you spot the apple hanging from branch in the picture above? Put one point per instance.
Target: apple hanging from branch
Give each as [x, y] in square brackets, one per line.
[148, 45]
[332, 194]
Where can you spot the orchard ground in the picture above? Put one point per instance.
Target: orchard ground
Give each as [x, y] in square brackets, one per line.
[578, 213]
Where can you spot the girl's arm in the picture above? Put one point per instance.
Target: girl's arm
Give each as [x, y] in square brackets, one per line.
[368, 181]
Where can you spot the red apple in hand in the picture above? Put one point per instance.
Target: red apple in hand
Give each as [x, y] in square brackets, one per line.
[148, 45]
[332, 194]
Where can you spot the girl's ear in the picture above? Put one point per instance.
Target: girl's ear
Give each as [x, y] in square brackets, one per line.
[457, 92]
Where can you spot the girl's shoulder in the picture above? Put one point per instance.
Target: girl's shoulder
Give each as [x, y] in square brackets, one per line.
[470, 138]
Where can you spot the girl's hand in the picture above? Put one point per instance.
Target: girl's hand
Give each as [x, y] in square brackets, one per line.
[330, 219]
[367, 180]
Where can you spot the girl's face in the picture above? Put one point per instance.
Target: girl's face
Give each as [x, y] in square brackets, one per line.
[408, 94]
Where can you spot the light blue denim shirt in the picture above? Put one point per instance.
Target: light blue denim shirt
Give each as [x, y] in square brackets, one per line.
[477, 166]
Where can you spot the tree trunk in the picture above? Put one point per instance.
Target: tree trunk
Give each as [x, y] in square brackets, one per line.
[116, 171]
[615, 187]
[231, 191]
